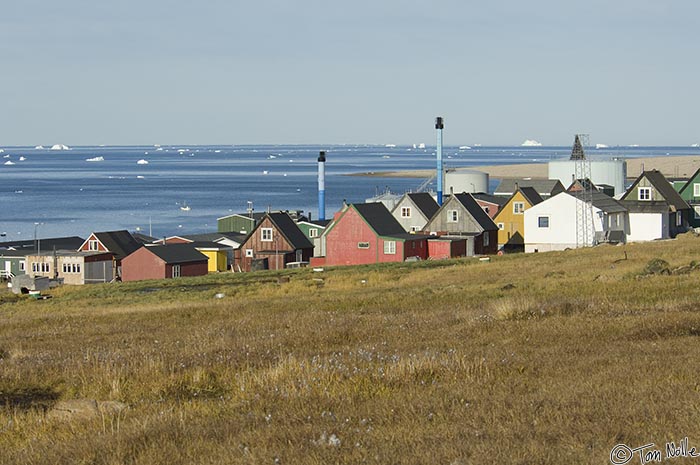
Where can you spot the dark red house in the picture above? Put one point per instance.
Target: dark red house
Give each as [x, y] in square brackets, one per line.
[164, 261]
[365, 233]
[275, 241]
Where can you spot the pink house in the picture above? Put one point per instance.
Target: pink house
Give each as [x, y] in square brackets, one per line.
[368, 233]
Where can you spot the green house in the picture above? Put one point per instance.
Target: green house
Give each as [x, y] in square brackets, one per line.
[241, 223]
[690, 192]
[12, 263]
[313, 229]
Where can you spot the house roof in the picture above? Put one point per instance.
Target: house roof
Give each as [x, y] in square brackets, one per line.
[317, 223]
[688, 184]
[120, 243]
[530, 195]
[289, 229]
[606, 203]
[59, 243]
[662, 186]
[210, 245]
[645, 206]
[544, 187]
[177, 253]
[143, 238]
[499, 200]
[379, 218]
[255, 216]
[475, 210]
[425, 203]
[213, 237]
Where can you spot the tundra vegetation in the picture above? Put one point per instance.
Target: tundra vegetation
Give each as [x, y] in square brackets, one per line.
[545, 358]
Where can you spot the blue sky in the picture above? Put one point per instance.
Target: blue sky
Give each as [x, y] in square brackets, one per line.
[231, 72]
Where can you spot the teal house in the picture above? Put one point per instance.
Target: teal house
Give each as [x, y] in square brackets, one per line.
[690, 192]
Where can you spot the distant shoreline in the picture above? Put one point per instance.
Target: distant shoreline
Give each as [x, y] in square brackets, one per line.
[672, 167]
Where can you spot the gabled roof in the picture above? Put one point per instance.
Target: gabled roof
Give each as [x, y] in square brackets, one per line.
[177, 253]
[425, 203]
[379, 218]
[689, 183]
[530, 195]
[144, 238]
[499, 200]
[254, 216]
[59, 243]
[475, 210]
[606, 203]
[662, 186]
[316, 223]
[288, 228]
[120, 243]
[214, 237]
[544, 187]
[645, 206]
[209, 245]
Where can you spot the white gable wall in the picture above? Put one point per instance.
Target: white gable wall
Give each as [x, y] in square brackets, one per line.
[648, 227]
[561, 233]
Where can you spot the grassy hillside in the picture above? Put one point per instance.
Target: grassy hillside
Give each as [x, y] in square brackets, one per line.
[545, 358]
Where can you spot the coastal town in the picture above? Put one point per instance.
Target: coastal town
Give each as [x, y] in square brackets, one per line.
[599, 205]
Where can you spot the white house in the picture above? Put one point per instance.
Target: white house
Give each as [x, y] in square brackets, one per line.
[553, 223]
[414, 210]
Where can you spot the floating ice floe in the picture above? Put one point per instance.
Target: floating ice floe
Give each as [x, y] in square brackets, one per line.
[390, 146]
[60, 147]
[464, 147]
[9, 162]
[601, 146]
[2, 150]
[531, 143]
[265, 172]
[95, 159]
[695, 145]
[139, 177]
[142, 162]
[39, 147]
[22, 158]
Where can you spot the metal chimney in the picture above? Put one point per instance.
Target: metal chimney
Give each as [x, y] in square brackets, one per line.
[439, 126]
[322, 186]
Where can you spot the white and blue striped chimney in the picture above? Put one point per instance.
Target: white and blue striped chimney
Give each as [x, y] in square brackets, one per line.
[322, 186]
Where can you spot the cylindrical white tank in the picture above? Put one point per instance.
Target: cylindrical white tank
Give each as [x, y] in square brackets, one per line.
[612, 172]
[465, 180]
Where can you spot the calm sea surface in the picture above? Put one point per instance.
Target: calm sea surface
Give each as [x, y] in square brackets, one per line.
[68, 195]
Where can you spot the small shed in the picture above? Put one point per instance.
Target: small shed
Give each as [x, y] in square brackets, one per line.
[164, 261]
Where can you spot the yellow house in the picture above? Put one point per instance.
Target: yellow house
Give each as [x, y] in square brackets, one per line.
[217, 254]
[510, 218]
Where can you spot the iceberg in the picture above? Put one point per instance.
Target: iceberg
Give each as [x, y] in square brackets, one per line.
[2, 150]
[39, 147]
[9, 162]
[464, 147]
[60, 147]
[695, 145]
[531, 143]
[22, 158]
[142, 162]
[601, 146]
[95, 159]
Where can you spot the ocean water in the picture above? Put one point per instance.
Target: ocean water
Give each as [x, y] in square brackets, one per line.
[57, 193]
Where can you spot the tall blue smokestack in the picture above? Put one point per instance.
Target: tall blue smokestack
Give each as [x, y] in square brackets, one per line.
[322, 186]
[439, 126]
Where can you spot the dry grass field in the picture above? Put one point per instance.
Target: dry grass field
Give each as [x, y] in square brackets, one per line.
[546, 358]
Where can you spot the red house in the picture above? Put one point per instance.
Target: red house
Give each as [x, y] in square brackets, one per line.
[368, 233]
[164, 261]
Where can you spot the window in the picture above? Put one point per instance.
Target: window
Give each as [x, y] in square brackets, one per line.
[679, 219]
[248, 252]
[696, 209]
[696, 189]
[65, 268]
[266, 234]
[389, 247]
[93, 245]
[518, 208]
[405, 212]
[500, 226]
[486, 239]
[542, 221]
[363, 245]
[22, 265]
[414, 228]
[176, 271]
[452, 216]
[313, 232]
[644, 193]
[486, 209]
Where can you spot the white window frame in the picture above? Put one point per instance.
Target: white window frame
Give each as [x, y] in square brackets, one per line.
[679, 218]
[486, 239]
[500, 226]
[644, 193]
[696, 209]
[177, 271]
[518, 208]
[539, 222]
[452, 216]
[696, 189]
[266, 234]
[93, 245]
[249, 252]
[313, 232]
[389, 247]
[363, 245]
[405, 212]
